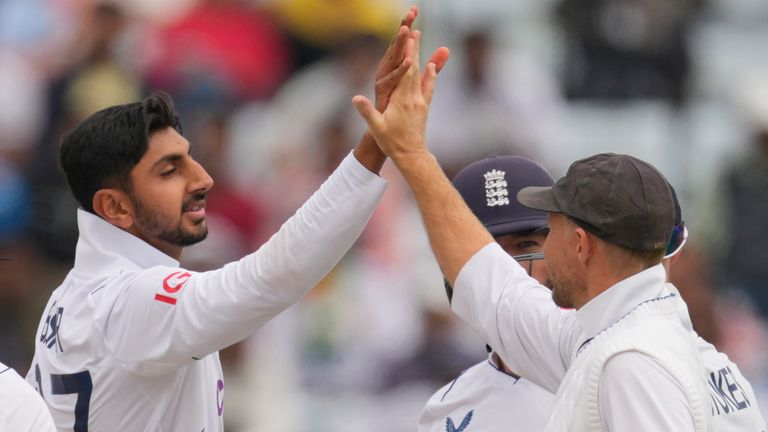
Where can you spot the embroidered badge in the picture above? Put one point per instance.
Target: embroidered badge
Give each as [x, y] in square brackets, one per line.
[450, 427]
[172, 284]
[496, 193]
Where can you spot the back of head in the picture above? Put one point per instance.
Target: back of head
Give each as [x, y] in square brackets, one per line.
[102, 150]
[489, 187]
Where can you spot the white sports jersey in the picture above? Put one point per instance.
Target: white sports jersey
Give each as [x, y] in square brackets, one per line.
[517, 316]
[733, 404]
[485, 398]
[21, 408]
[129, 340]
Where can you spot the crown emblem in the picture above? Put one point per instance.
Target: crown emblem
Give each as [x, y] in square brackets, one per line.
[496, 193]
[494, 175]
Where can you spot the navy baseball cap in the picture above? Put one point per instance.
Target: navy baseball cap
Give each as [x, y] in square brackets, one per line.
[619, 198]
[489, 187]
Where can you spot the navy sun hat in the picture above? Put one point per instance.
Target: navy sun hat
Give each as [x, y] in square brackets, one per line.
[489, 187]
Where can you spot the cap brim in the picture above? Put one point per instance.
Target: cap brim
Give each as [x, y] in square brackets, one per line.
[538, 198]
[517, 226]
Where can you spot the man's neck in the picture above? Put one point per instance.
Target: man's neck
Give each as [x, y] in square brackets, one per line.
[501, 365]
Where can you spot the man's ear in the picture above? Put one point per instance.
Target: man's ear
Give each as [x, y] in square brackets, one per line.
[673, 259]
[114, 206]
[585, 245]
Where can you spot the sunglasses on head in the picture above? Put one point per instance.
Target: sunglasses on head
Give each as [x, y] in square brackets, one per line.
[676, 243]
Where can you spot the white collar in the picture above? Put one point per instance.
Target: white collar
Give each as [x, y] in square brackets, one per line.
[620, 299]
[682, 307]
[103, 248]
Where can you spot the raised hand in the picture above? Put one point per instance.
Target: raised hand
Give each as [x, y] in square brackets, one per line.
[400, 129]
[396, 61]
[394, 65]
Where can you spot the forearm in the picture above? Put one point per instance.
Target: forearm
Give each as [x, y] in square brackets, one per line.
[454, 232]
[369, 154]
[294, 260]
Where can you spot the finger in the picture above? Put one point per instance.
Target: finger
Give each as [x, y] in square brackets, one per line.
[388, 83]
[428, 82]
[407, 21]
[366, 110]
[395, 49]
[410, 16]
[416, 48]
[394, 53]
[440, 58]
[411, 80]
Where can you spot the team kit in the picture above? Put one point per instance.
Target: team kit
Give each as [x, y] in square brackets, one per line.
[566, 281]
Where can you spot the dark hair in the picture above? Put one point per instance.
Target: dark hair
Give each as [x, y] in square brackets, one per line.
[101, 151]
[623, 256]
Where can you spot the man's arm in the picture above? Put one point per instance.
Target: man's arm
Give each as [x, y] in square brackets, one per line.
[516, 316]
[456, 236]
[454, 232]
[167, 317]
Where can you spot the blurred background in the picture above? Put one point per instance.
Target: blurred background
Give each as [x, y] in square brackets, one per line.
[264, 90]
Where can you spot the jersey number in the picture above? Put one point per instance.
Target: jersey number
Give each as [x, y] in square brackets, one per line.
[77, 383]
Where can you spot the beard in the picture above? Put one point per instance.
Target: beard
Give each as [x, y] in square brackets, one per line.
[170, 231]
[564, 289]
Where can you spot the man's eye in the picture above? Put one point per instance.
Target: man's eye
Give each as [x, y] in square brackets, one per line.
[527, 244]
[167, 173]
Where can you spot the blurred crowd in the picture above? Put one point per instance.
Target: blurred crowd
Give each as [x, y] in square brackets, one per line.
[264, 89]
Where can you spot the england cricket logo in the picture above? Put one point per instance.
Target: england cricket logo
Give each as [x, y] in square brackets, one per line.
[450, 426]
[496, 193]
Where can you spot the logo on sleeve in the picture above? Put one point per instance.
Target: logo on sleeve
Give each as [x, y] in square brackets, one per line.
[220, 397]
[172, 284]
[450, 427]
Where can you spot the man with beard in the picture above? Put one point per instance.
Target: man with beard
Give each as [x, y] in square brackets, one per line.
[129, 341]
[489, 396]
[622, 360]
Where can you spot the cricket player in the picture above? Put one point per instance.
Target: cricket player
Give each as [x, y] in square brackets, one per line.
[129, 341]
[489, 396]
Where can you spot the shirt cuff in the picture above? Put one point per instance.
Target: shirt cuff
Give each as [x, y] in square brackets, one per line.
[360, 174]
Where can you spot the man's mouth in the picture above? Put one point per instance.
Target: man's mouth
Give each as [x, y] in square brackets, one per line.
[195, 209]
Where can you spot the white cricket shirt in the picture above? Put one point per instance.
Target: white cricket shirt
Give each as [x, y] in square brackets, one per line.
[733, 404]
[129, 341]
[21, 408]
[516, 316]
[485, 398]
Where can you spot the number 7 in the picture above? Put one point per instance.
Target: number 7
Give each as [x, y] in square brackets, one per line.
[81, 384]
